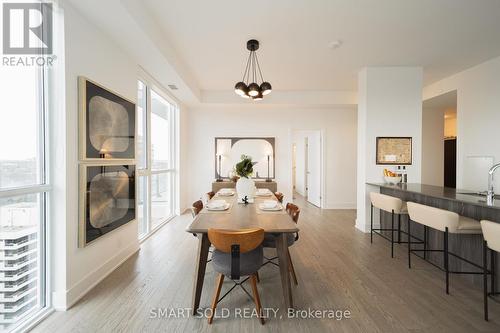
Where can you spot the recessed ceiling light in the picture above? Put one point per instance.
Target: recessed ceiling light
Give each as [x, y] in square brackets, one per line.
[335, 44]
[173, 87]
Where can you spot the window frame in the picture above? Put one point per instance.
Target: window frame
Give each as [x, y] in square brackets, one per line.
[150, 85]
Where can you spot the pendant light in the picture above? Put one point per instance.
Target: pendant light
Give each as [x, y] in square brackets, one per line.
[249, 86]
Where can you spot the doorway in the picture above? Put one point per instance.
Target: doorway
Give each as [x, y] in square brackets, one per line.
[439, 140]
[307, 165]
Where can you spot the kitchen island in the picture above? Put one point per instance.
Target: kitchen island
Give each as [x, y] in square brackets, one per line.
[467, 203]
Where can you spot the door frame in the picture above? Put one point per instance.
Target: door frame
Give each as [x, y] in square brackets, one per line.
[322, 164]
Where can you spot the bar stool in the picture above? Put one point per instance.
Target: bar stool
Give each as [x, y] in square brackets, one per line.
[392, 205]
[446, 222]
[491, 234]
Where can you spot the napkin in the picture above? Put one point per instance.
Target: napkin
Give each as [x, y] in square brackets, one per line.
[269, 204]
[216, 204]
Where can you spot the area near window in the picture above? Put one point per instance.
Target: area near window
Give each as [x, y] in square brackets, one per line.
[156, 157]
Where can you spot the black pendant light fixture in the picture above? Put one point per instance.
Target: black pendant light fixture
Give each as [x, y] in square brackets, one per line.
[249, 86]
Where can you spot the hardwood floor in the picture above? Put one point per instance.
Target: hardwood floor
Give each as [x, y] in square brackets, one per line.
[337, 268]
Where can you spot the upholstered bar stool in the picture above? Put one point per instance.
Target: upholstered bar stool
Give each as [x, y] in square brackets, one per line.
[446, 222]
[392, 205]
[491, 234]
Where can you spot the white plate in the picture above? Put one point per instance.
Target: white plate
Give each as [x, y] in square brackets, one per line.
[263, 194]
[225, 207]
[226, 194]
[276, 208]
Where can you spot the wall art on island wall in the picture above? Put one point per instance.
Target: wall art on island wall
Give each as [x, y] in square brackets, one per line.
[394, 150]
[107, 123]
[228, 152]
[107, 199]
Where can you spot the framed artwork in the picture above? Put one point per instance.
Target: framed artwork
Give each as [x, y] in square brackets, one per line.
[228, 151]
[107, 123]
[107, 199]
[394, 150]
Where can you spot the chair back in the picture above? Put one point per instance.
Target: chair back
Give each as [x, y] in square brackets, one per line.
[197, 207]
[491, 234]
[435, 218]
[247, 239]
[279, 196]
[210, 195]
[293, 210]
[386, 202]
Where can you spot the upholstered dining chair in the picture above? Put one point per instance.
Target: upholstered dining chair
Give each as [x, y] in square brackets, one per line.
[279, 196]
[210, 195]
[270, 240]
[237, 254]
[196, 207]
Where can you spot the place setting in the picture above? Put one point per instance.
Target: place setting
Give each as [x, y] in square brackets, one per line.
[226, 192]
[270, 206]
[217, 206]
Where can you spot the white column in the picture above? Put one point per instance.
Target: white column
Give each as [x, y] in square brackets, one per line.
[389, 104]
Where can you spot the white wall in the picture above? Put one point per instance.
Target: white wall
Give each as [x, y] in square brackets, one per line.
[478, 115]
[91, 54]
[433, 146]
[339, 125]
[389, 104]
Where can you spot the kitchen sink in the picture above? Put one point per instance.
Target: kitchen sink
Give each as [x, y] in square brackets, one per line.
[478, 194]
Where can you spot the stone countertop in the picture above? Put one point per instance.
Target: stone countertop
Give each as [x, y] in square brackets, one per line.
[447, 193]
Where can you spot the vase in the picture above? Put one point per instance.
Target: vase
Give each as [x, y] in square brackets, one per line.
[245, 187]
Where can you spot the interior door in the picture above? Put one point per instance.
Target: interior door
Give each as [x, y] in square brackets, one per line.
[314, 168]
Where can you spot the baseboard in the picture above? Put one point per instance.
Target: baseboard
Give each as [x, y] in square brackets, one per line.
[81, 288]
[362, 227]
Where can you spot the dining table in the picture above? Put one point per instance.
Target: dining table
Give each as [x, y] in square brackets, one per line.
[242, 216]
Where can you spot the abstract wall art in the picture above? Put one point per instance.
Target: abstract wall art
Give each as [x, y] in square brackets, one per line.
[107, 199]
[107, 123]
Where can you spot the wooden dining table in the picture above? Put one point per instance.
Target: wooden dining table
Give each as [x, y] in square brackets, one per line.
[241, 216]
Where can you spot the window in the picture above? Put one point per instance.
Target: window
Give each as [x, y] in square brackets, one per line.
[24, 193]
[156, 158]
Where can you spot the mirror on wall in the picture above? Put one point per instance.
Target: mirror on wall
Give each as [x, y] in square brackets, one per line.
[228, 151]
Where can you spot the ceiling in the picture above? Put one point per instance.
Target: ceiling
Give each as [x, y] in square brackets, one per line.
[447, 102]
[442, 36]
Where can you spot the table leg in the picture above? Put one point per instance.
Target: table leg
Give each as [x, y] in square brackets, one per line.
[201, 265]
[282, 249]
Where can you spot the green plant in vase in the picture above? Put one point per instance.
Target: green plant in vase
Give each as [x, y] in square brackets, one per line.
[245, 186]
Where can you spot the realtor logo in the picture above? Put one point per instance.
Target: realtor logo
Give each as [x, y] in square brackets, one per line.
[27, 28]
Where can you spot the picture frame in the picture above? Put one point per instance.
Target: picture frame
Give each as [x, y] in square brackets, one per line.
[101, 183]
[257, 147]
[394, 150]
[107, 124]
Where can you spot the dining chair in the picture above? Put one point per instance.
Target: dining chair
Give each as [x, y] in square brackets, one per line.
[210, 195]
[270, 240]
[237, 254]
[196, 207]
[279, 196]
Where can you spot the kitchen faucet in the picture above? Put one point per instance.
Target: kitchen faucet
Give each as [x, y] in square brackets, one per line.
[491, 194]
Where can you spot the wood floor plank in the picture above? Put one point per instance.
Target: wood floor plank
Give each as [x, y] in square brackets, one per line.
[336, 266]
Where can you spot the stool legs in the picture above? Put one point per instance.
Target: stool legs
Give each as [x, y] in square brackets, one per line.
[485, 280]
[446, 266]
[425, 242]
[493, 256]
[371, 224]
[392, 234]
[399, 228]
[409, 242]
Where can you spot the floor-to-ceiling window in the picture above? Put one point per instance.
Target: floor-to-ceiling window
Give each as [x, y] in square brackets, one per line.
[156, 153]
[24, 192]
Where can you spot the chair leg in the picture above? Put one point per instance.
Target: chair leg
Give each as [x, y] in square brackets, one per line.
[218, 286]
[253, 282]
[371, 224]
[409, 242]
[493, 256]
[485, 280]
[291, 268]
[425, 242]
[257, 276]
[399, 228]
[392, 234]
[446, 266]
